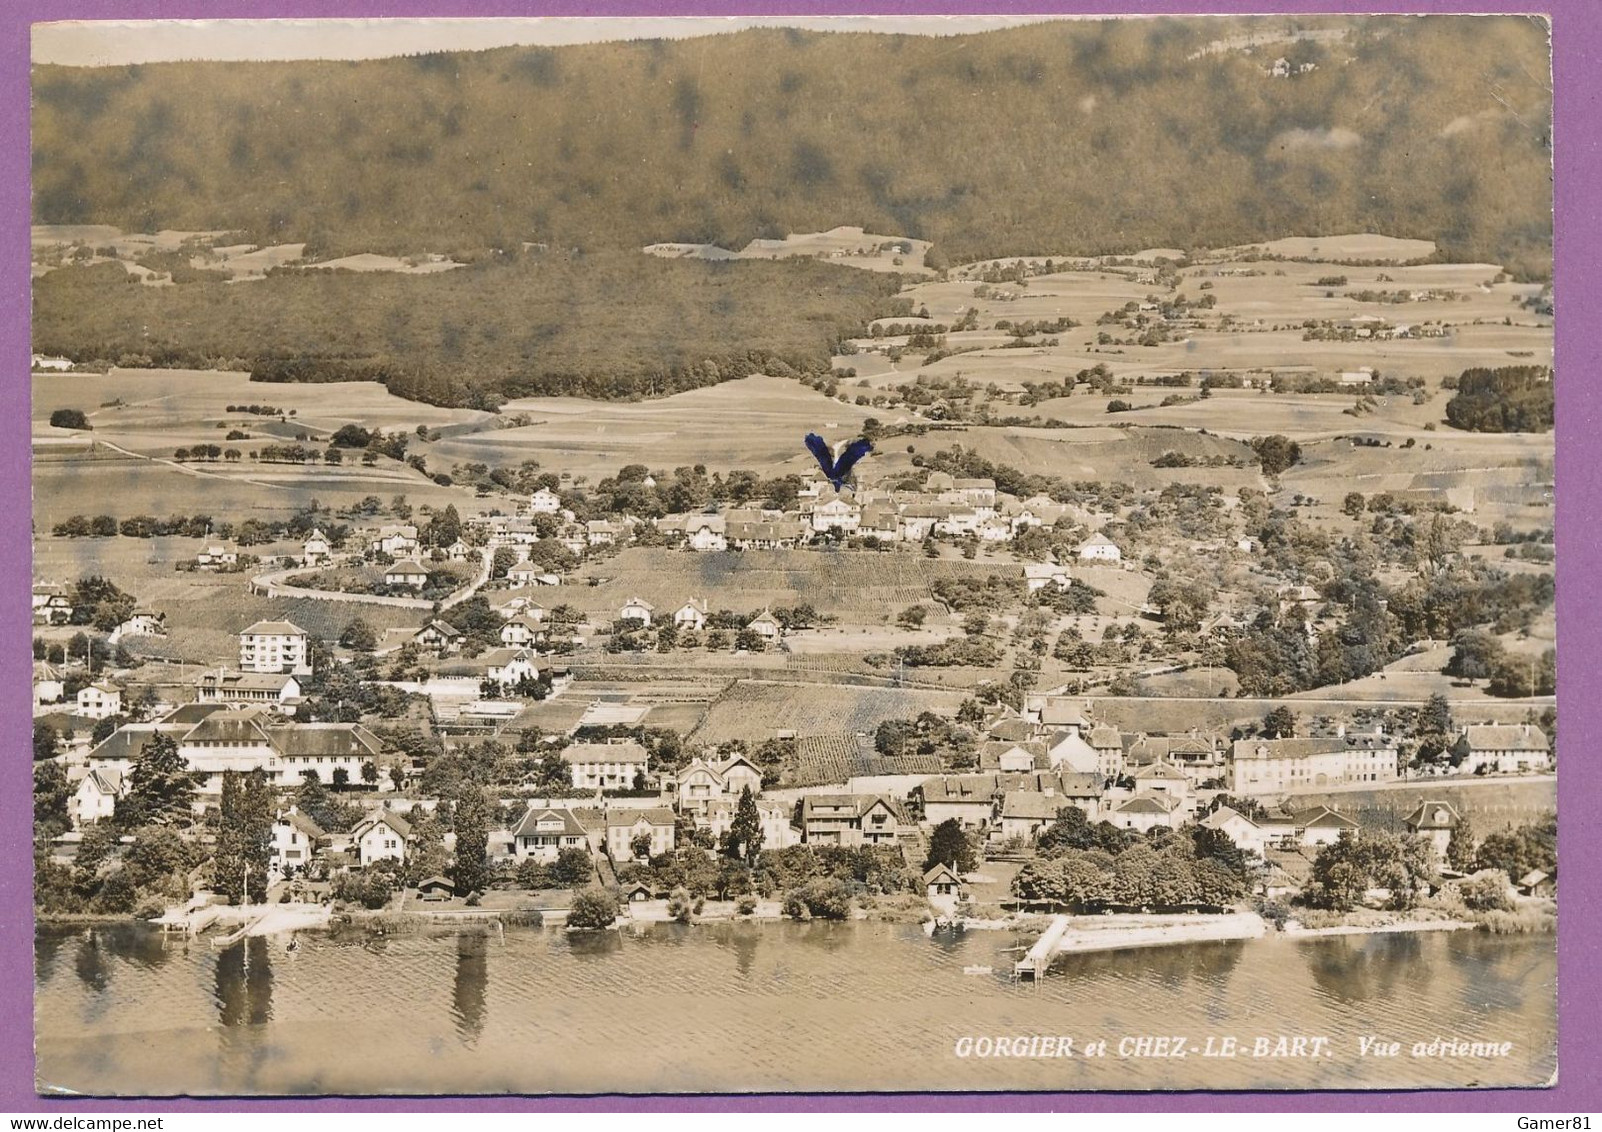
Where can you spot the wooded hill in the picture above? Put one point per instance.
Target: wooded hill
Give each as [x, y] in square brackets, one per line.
[1068, 137]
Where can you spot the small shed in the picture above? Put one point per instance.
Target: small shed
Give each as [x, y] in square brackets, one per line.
[637, 892]
[436, 888]
[1537, 883]
[942, 880]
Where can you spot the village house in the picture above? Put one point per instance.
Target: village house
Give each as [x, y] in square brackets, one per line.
[381, 837]
[51, 606]
[275, 646]
[774, 816]
[612, 765]
[279, 691]
[1000, 755]
[850, 820]
[398, 540]
[834, 511]
[1144, 812]
[1039, 575]
[545, 502]
[522, 631]
[1068, 749]
[524, 574]
[637, 609]
[1200, 757]
[1515, 748]
[295, 841]
[623, 826]
[691, 615]
[439, 638]
[336, 752]
[1275, 766]
[1436, 821]
[1320, 825]
[459, 551]
[541, 834]
[601, 532]
[509, 665]
[406, 573]
[316, 550]
[1108, 743]
[140, 623]
[881, 522]
[1247, 835]
[942, 887]
[96, 796]
[216, 556]
[702, 782]
[1162, 778]
[969, 799]
[48, 687]
[1025, 813]
[1100, 548]
[99, 700]
[706, 532]
[780, 532]
[766, 626]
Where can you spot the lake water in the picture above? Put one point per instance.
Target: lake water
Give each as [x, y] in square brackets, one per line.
[766, 1007]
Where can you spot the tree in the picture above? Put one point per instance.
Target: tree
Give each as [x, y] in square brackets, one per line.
[1433, 729]
[1460, 846]
[501, 561]
[1276, 453]
[1475, 654]
[745, 832]
[912, 617]
[593, 908]
[949, 845]
[161, 787]
[50, 794]
[69, 418]
[45, 740]
[572, 868]
[681, 906]
[472, 840]
[1354, 504]
[244, 836]
[1279, 723]
[359, 636]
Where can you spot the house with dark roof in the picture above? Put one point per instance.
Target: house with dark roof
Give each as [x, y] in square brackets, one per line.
[1278, 766]
[1513, 748]
[382, 836]
[96, 796]
[439, 637]
[279, 691]
[540, 834]
[1024, 813]
[850, 820]
[1436, 821]
[1001, 755]
[969, 799]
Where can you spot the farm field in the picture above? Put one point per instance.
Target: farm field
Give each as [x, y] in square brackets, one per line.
[755, 710]
[853, 585]
[754, 423]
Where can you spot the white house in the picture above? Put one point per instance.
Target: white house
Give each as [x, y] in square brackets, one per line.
[279, 691]
[1503, 748]
[610, 765]
[1146, 811]
[706, 532]
[438, 637]
[509, 665]
[295, 839]
[1099, 548]
[97, 701]
[275, 646]
[1275, 766]
[691, 615]
[1245, 833]
[216, 556]
[458, 551]
[48, 687]
[701, 782]
[407, 572]
[96, 796]
[545, 502]
[381, 837]
[766, 626]
[637, 609]
[398, 540]
[542, 834]
[51, 606]
[835, 512]
[623, 826]
[522, 631]
[1039, 575]
[316, 550]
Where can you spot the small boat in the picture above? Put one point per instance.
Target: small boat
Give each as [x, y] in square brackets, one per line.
[978, 970]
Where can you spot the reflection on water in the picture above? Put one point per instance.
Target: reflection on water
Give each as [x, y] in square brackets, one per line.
[758, 1006]
[1369, 969]
[472, 984]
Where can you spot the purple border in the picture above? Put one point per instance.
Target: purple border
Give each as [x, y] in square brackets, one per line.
[1577, 66]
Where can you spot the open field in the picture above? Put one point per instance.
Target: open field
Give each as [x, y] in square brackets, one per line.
[856, 585]
[850, 247]
[755, 710]
[755, 423]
